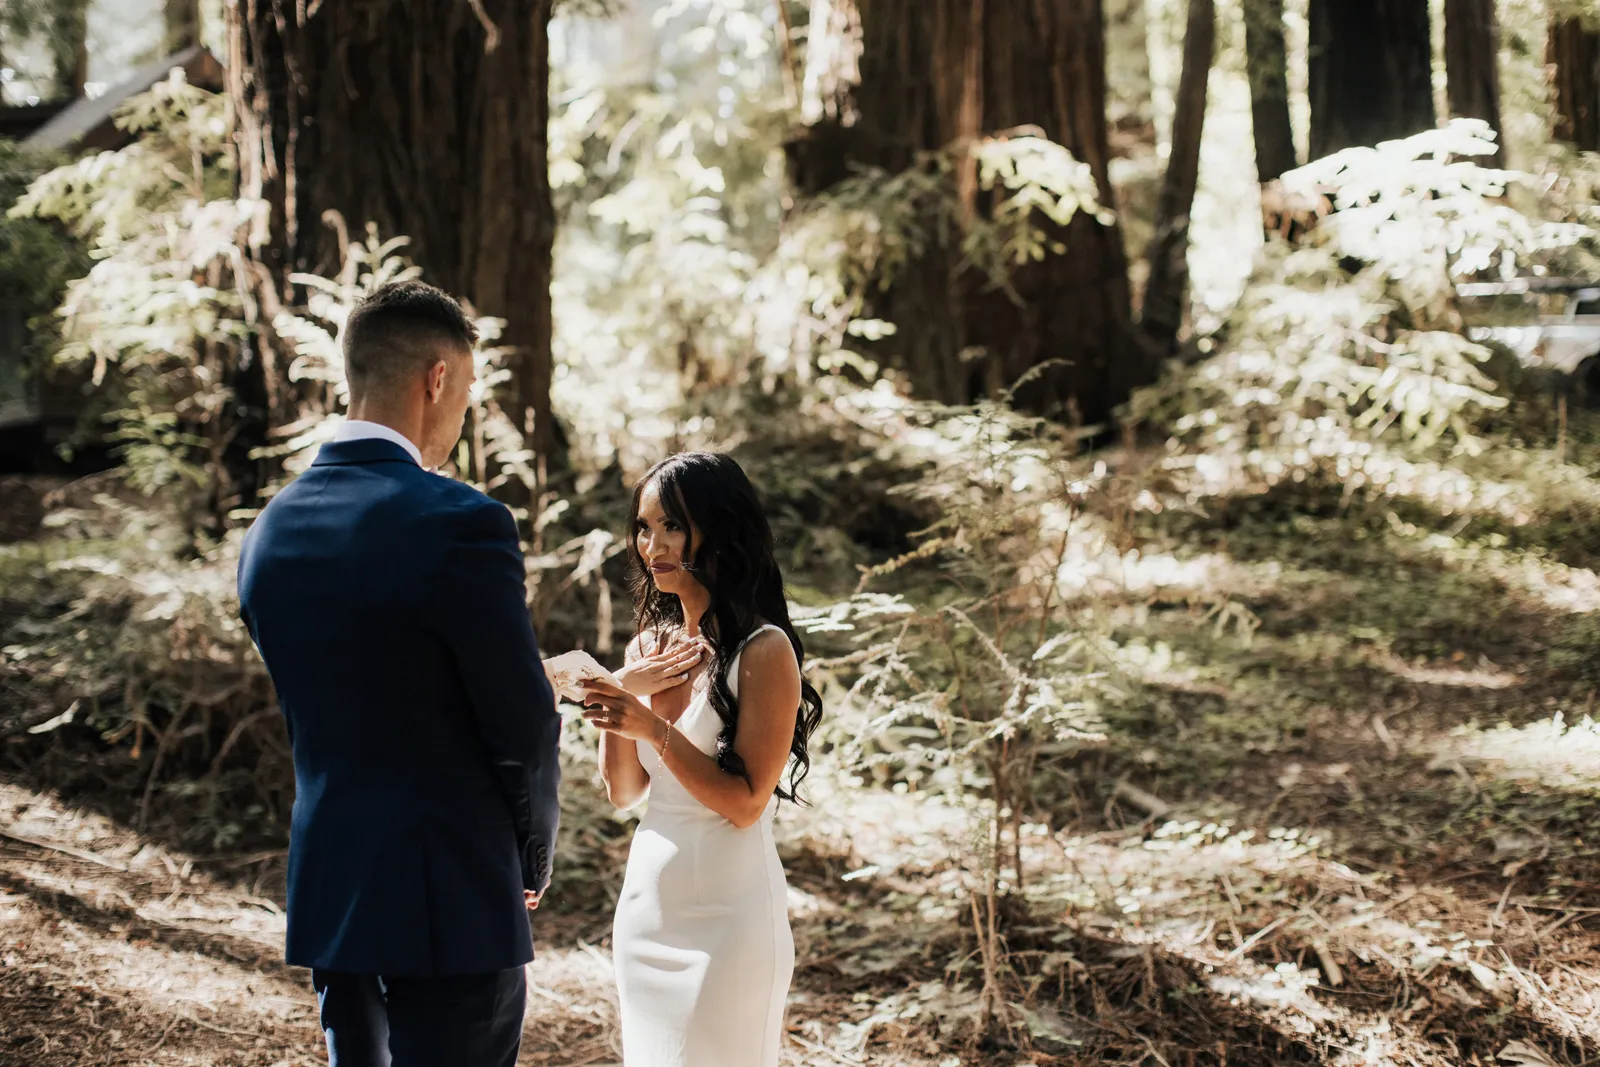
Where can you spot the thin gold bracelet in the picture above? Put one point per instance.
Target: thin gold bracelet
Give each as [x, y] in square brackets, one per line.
[661, 753]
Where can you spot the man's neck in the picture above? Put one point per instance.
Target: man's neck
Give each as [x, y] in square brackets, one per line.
[405, 424]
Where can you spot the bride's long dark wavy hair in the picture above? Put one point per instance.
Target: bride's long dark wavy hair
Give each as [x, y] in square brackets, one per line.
[707, 493]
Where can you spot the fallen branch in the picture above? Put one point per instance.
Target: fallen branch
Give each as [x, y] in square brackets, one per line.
[1330, 966]
[1256, 937]
[89, 857]
[1149, 803]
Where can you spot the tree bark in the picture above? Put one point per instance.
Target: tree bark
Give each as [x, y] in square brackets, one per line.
[933, 75]
[1371, 72]
[426, 117]
[1574, 53]
[1472, 63]
[1267, 56]
[183, 25]
[1162, 315]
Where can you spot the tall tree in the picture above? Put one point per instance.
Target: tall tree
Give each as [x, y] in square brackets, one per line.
[426, 117]
[1472, 61]
[183, 25]
[1371, 72]
[1162, 314]
[1574, 54]
[1267, 56]
[69, 46]
[889, 80]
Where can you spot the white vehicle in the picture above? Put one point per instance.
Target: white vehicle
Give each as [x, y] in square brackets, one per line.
[1559, 342]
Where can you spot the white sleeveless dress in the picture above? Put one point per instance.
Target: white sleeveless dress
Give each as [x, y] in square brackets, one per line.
[701, 940]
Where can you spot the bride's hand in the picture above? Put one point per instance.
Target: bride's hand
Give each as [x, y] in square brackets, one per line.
[619, 712]
[666, 669]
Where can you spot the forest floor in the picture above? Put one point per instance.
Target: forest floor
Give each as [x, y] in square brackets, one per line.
[1352, 817]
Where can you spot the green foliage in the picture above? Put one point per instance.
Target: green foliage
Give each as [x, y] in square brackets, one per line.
[968, 665]
[60, 26]
[1355, 339]
[36, 262]
[158, 317]
[853, 241]
[665, 160]
[140, 637]
[492, 454]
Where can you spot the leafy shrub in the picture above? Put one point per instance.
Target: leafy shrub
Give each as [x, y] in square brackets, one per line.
[1352, 344]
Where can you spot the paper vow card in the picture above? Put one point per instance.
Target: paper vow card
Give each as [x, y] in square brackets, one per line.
[567, 671]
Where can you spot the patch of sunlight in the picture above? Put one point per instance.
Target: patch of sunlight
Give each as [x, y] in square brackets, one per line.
[893, 832]
[160, 976]
[1573, 590]
[1485, 676]
[574, 982]
[1093, 564]
[1284, 986]
[1226, 224]
[1551, 752]
[1372, 469]
[1375, 1045]
[803, 905]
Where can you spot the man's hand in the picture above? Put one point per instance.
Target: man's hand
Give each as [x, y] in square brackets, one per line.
[531, 899]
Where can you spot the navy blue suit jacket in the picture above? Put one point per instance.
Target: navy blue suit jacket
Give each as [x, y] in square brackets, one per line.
[389, 605]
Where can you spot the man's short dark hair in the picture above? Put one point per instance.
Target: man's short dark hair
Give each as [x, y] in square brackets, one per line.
[401, 330]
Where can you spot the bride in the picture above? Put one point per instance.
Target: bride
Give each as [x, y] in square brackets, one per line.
[712, 712]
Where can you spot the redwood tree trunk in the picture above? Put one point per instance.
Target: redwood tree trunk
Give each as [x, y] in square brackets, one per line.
[1162, 315]
[1371, 72]
[1472, 62]
[1575, 56]
[427, 118]
[1267, 56]
[936, 75]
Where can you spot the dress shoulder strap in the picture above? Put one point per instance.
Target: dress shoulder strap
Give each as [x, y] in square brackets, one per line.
[733, 666]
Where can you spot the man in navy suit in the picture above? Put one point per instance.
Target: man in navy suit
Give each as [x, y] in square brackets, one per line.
[389, 605]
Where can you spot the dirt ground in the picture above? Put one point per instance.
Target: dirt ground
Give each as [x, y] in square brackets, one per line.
[1358, 830]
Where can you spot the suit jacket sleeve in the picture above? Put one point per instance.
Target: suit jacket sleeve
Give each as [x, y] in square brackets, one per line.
[481, 601]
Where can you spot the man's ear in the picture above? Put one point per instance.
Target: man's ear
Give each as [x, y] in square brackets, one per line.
[435, 382]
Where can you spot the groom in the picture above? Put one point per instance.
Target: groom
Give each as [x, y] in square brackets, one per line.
[388, 603]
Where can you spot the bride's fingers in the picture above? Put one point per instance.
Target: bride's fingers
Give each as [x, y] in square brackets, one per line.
[593, 686]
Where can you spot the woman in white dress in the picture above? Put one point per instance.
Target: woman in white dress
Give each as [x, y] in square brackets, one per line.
[712, 713]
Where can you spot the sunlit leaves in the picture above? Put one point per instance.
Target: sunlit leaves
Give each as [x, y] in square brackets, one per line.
[1354, 340]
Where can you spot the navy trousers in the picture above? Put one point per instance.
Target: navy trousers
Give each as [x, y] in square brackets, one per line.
[472, 1020]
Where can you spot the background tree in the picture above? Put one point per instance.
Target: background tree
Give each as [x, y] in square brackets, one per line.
[1165, 293]
[1472, 62]
[1574, 56]
[938, 76]
[1267, 56]
[427, 119]
[69, 46]
[183, 25]
[1371, 72]
[1129, 105]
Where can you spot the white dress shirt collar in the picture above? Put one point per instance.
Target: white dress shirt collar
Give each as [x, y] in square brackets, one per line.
[359, 430]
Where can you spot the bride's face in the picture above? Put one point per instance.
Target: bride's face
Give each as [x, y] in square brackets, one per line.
[663, 544]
